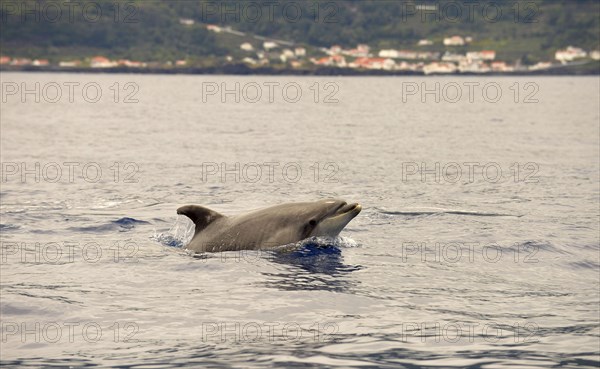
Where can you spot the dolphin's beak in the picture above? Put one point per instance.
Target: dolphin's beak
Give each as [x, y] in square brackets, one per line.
[349, 208]
[333, 224]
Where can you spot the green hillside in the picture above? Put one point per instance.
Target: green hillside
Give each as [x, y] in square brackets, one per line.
[152, 30]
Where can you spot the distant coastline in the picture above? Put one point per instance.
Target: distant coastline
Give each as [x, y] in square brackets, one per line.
[590, 69]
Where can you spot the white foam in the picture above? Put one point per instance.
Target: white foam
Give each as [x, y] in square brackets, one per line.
[179, 235]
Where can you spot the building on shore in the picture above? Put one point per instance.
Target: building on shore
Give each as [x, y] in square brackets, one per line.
[102, 62]
[69, 63]
[454, 41]
[130, 64]
[475, 66]
[300, 52]
[408, 54]
[439, 68]
[246, 46]
[331, 61]
[500, 66]
[268, 45]
[569, 54]
[186, 21]
[481, 55]
[213, 28]
[540, 66]
[20, 62]
[373, 63]
[452, 57]
[40, 63]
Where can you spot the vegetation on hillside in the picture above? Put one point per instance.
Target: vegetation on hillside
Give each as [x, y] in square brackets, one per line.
[151, 30]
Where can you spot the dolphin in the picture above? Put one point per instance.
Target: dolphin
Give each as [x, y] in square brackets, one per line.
[273, 226]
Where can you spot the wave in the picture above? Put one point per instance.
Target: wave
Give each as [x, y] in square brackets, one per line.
[121, 225]
[585, 264]
[435, 211]
[8, 227]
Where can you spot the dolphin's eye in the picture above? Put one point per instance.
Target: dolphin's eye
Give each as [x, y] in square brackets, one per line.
[312, 222]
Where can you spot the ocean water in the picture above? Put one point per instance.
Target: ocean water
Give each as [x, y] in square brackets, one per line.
[478, 243]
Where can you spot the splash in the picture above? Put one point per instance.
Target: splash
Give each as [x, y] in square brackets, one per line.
[179, 235]
[339, 242]
[182, 232]
[318, 242]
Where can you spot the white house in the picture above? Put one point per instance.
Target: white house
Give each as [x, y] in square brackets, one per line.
[500, 66]
[409, 66]
[334, 50]
[407, 54]
[69, 63]
[451, 57]
[246, 46]
[300, 51]
[333, 60]
[286, 55]
[569, 54]
[186, 21]
[388, 53]
[481, 55]
[374, 63]
[363, 48]
[398, 54]
[268, 45]
[439, 68]
[40, 62]
[102, 62]
[428, 55]
[475, 66]
[454, 41]
[541, 65]
[213, 28]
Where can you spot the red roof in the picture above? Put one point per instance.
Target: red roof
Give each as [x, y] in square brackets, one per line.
[100, 59]
[368, 61]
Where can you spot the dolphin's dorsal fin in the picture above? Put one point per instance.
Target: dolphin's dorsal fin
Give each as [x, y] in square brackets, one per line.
[200, 215]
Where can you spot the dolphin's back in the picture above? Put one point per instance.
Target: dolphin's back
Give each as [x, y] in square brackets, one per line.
[268, 227]
[243, 232]
[258, 229]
